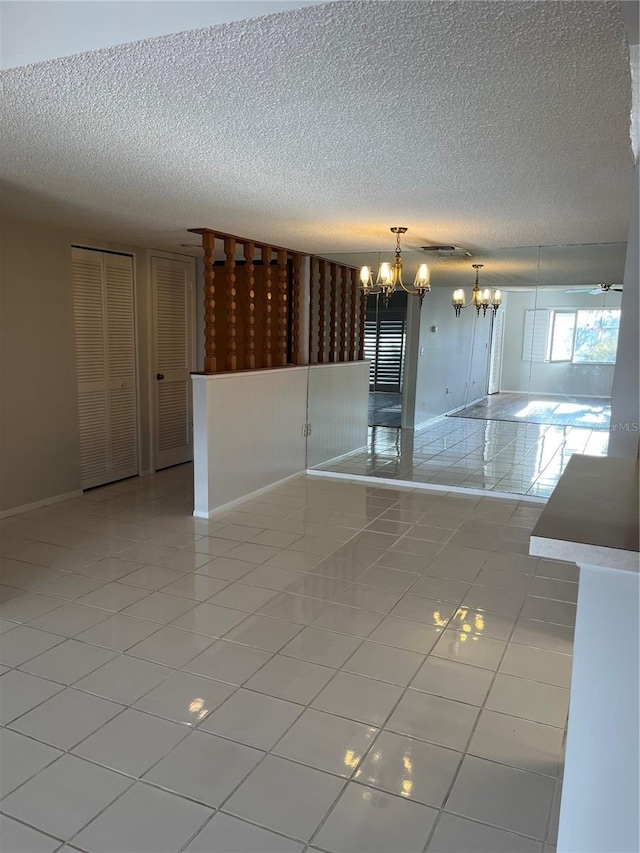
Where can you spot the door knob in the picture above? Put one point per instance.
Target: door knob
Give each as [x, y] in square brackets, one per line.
[159, 376]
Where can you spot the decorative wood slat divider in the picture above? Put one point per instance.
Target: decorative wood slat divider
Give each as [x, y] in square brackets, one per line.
[336, 331]
[208, 243]
[363, 310]
[249, 253]
[268, 319]
[259, 325]
[281, 311]
[314, 313]
[295, 308]
[344, 314]
[322, 310]
[353, 345]
[229, 266]
[333, 308]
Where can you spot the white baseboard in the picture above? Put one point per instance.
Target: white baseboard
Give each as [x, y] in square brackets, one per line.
[551, 394]
[430, 422]
[224, 507]
[466, 405]
[426, 487]
[18, 510]
[342, 456]
[444, 415]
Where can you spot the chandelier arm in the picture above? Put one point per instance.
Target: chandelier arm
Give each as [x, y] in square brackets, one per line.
[373, 290]
[491, 299]
[389, 275]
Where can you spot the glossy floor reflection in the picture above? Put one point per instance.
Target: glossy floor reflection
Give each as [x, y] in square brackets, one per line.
[332, 666]
[524, 459]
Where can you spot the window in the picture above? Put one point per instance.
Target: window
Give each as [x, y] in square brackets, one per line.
[596, 339]
[583, 336]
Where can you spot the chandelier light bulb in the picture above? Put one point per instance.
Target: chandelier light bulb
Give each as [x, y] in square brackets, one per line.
[385, 274]
[481, 299]
[422, 277]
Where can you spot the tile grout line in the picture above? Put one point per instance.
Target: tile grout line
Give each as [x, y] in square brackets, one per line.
[466, 750]
[302, 627]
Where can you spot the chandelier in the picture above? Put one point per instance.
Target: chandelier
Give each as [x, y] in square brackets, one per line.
[389, 275]
[482, 299]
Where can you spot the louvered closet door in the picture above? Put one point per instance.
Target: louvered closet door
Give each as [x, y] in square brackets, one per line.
[173, 332]
[105, 355]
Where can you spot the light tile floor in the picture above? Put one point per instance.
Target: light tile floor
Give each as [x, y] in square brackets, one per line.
[332, 666]
[524, 459]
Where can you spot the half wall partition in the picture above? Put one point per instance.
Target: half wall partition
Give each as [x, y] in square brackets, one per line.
[283, 372]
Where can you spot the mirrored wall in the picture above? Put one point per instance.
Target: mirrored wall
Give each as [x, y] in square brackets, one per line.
[495, 402]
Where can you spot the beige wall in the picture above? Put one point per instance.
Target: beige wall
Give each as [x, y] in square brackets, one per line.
[39, 441]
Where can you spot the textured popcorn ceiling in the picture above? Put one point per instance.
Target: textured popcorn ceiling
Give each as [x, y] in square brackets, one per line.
[38, 30]
[481, 124]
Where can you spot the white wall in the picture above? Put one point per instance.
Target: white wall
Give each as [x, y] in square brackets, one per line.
[338, 410]
[247, 433]
[450, 364]
[248, 426]
[625, 399]
[589, 380]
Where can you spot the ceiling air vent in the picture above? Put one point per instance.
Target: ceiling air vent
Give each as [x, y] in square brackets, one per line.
[447, 251]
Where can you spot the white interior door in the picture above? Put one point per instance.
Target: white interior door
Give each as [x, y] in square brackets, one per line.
[106, 365]
[497, 343]
[173, 321]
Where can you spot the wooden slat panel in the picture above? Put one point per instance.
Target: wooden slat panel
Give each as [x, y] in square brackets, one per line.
[333, 311]
[322, 310]
[281, 309]
[231, 360]
[210, 363]
[267, 358]
[363, 310]
[353, 316]
[295, 308]
[344, 315]
[313, 313]
[249, 271]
